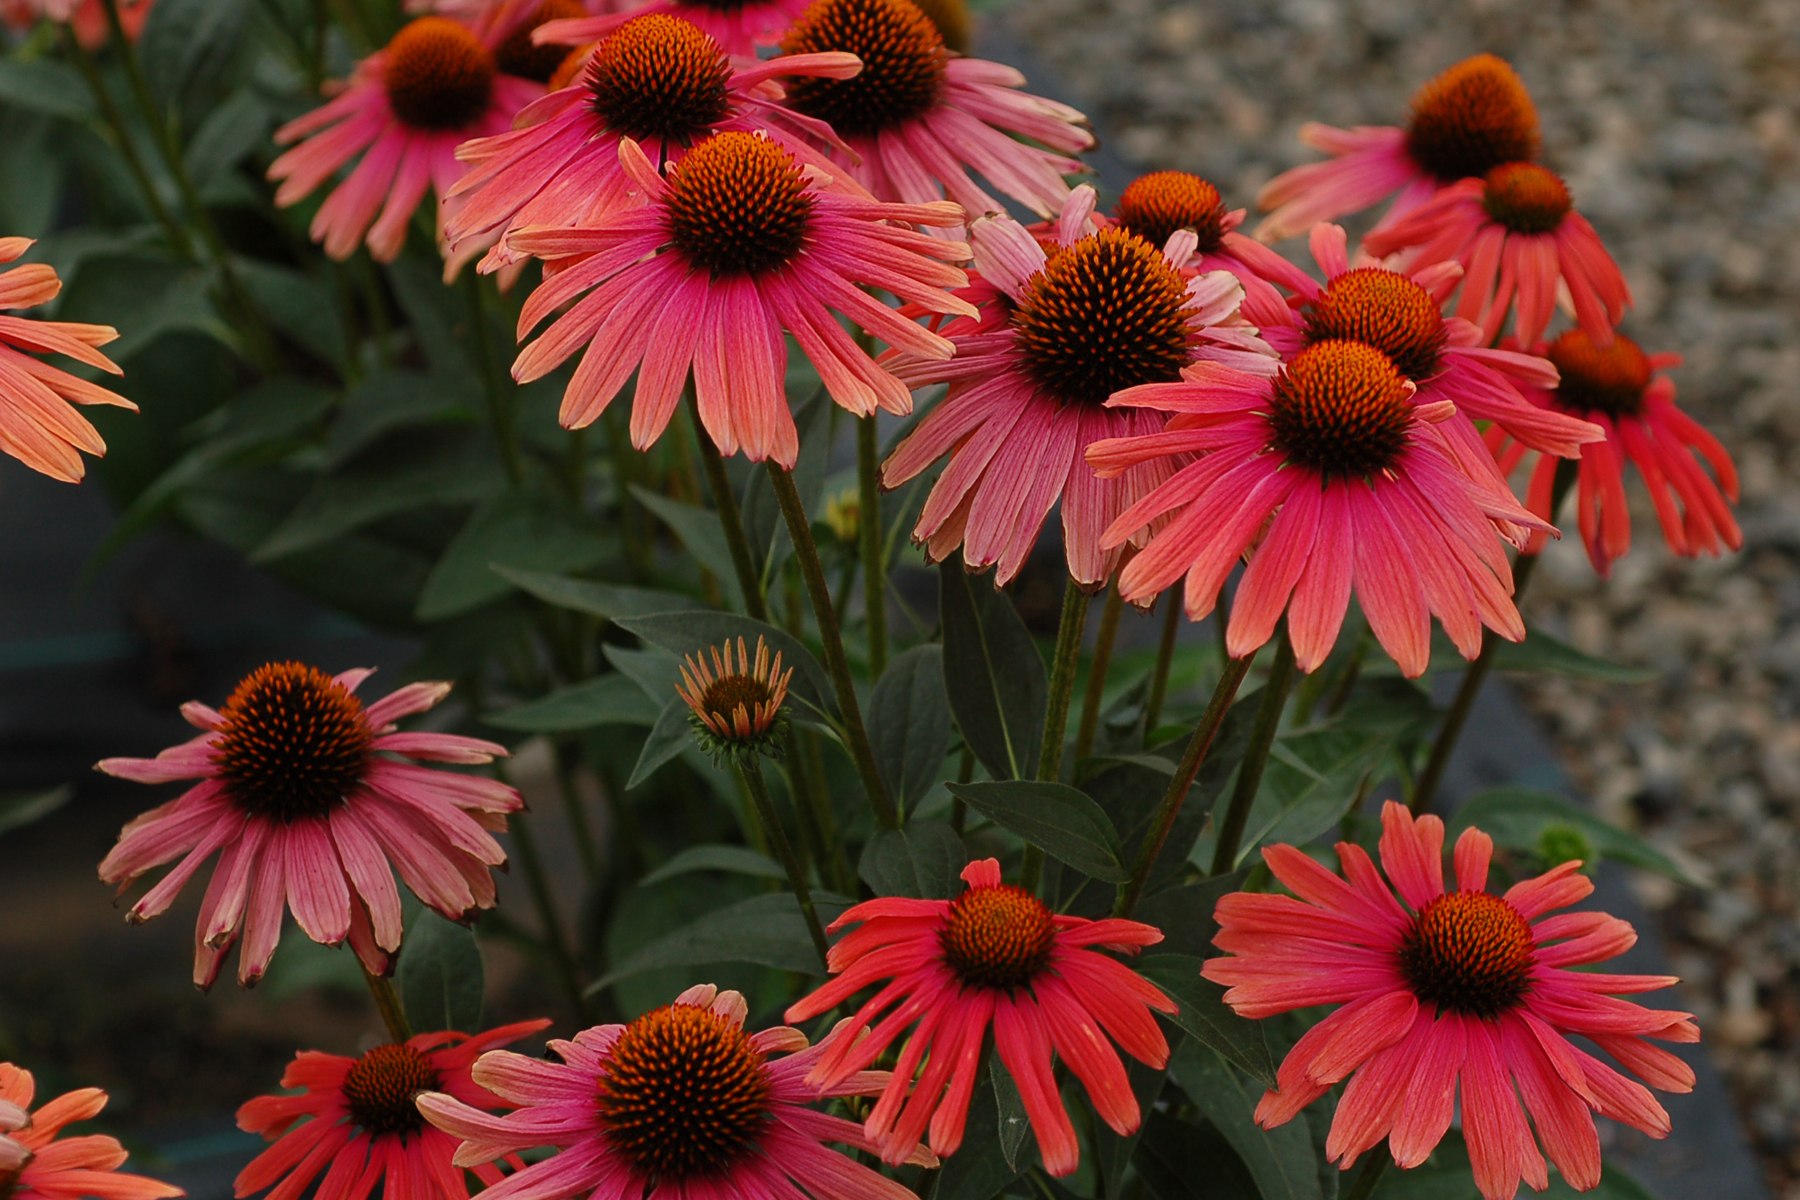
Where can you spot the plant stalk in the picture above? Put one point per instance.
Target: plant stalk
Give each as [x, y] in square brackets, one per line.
[1369, 1176]
[1165, 656]
[1069, 630]
[742, 561]
[493, 384]
[1256, 756]
[387, 1003]
[115, 120]
[1096, 683]
[784, 851]
[539, 882]
[868, 535]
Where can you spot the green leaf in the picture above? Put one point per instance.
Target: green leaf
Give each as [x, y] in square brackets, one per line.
[1112, 1152]
[699, 531]
[1067, 825]
[298, 305]
[439, 319]
[228, 134]
[1185, 914]
[1009, 1107]
[144, 297]
[1542, 654]
[187, 45]
[610, 699]
[993, 674]
[923, 861]
[510, 530]
[440, 975]
[1191, 1162]
[18, 809]
[1279, 1159]
[671, 734]
[605, 600]
[385, 401]
[978, 1171]
[1205, 1015]
[739, 860]
[767, 930]
[692, 632]
[909, 723]
[1517, 819]
[46, 86]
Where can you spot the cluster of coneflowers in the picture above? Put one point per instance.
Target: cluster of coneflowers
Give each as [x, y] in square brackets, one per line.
[698, 182]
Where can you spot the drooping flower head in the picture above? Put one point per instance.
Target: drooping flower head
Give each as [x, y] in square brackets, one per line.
[1336, 476]
[993, 957]
[356, 1122]
[737, 245]
[1617, 388]
[1517, 235]
[920, 122]
[37, 425]
[656, 79]
[682, 1102]
[740, 27]
[1467, 121]
[404, 109]
[37, 1165]
[1055, 336]
[736, 707]
[1448, 991]
[306, 797]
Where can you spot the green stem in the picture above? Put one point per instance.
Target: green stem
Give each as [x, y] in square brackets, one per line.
[1165, 656]
[868, 534]
[784, 852]
[1369, 1176]
[855, 736]
[742, 561]
[1340, 695]
[387, 1003]
[561, 958]
[115, 121]
[1230, 679]
[493, 384]
[1096, 684]
[1056, 712]
[1256, 755]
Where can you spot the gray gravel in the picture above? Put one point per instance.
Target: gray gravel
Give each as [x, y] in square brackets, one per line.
[1675, 124]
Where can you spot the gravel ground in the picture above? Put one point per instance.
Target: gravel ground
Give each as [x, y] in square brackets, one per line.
[1675, 124]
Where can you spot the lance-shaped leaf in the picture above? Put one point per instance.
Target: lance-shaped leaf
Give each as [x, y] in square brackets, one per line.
[1055, 817]
[993, 674]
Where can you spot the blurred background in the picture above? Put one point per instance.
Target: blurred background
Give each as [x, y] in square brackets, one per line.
[1675, 125]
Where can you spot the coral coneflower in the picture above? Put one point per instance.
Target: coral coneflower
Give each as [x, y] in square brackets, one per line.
[1445, 991]
[656, 79]
[682, 1102]
[306, 810]
[920, 122]
[1517, 235]
[36, 1165]
[737, 245]
[405, 109]
[1055, 336]
[356, 1120]
[86, 18]
[739, 26]
[1342, 479]
[37, 425]
[1467, 121]
[1616, 388]
[736, 706]
[993, 957]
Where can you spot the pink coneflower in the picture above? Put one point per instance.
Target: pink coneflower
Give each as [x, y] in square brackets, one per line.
[682, 1102]
[1516, 234]
[994, 956]
[739, 244]
[87, 18]
[1440, 988]
[1341, 478]
[405, 109]
[656, 79]
[1615, 388]
[307, 811]
[1465, 122]
[1054, 337]
[37, 425]
[49, 1169]
[920, 122]
[740, 26]
[356, 1120]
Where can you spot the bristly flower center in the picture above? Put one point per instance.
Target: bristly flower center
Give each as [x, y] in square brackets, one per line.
[1526, 198]
[1611, 381]
[1106, 313]
[438, 75]
[380, 1087]
[294, 744]
[658, 76]
[1156, 205]
[903, 63]
[738, 205]
[684, 1094]
[997, 937]
[1342, 409]
[1468, 953]
[517, 56]
[1385, 310]
[1472, 118]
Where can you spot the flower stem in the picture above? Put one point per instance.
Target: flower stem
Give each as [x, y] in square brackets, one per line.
[742, 561]
[855, 736]
[387, 1003]
[1096, 683]
[1256, 756]
[1165, 656]
[1056, 713]
[784, 851]
[493, 384]
[115, 121]
[539, 882]
[868, 533]
[1369, 1176]
[1230, 679]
